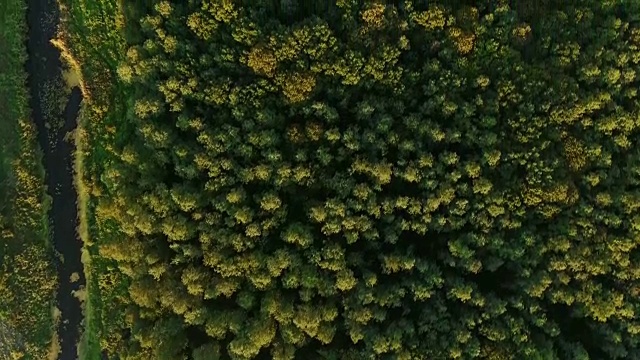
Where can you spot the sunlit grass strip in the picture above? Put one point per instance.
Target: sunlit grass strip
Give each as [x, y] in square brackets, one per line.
[54, 347]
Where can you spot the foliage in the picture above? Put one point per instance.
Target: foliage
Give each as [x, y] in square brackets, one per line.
[369, 180]
[27, 277]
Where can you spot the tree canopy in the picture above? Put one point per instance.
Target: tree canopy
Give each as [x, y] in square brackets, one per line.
[379, 180]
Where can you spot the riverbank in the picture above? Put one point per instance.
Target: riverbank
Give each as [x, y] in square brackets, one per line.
[55, 112]
[92, 50]
[27, 271]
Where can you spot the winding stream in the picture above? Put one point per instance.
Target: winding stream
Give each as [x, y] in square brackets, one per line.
[44, 67]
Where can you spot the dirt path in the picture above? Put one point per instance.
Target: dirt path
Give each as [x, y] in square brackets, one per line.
[44, 67]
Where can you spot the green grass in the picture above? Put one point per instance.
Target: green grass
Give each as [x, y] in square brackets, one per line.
[27, 276]
[93, 43]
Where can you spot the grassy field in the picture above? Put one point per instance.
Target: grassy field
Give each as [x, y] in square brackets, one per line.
[93, 42]
[27, 274]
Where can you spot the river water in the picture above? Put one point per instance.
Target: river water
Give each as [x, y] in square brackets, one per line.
[44, 68]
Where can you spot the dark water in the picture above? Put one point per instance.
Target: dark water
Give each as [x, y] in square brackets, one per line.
[43, 67]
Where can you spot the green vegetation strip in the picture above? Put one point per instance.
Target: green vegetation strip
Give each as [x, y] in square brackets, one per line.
[27, 274]
[92, 43]
[361, 180]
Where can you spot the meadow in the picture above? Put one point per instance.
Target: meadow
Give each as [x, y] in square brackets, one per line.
[27, 272]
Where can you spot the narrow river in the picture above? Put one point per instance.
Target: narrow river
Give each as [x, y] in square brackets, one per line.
[44, 67]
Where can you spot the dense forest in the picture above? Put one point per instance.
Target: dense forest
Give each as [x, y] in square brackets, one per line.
[373, 180]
